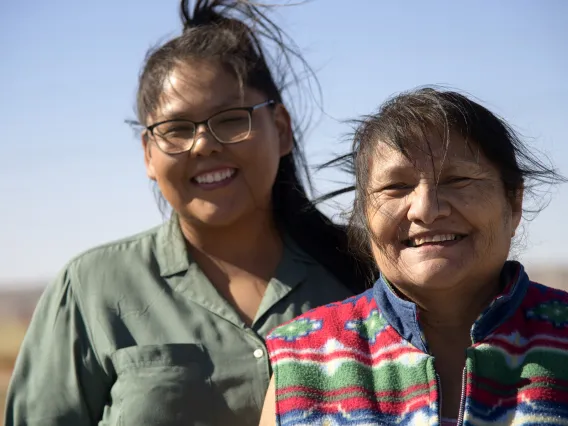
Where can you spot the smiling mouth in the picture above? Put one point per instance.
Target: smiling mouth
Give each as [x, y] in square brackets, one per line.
[214, 178]
[442, 239]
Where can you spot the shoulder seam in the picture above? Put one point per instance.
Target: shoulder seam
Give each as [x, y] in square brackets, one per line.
[115, 244]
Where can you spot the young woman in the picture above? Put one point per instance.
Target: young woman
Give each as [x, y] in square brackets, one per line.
[167, 327]
[452, 333]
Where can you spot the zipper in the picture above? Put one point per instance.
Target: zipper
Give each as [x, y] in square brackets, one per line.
[439, 384]
[462, 398]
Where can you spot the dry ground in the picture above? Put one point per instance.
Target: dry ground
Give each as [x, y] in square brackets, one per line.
[11, 334]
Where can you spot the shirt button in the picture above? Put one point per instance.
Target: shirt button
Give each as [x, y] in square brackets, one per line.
[259, 353]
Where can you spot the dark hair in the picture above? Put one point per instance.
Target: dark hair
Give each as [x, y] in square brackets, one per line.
[218, 30]
[410, 117]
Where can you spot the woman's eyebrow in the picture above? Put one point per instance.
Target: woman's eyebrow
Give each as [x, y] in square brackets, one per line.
[455, 166]
[396, 169]
[181, 113]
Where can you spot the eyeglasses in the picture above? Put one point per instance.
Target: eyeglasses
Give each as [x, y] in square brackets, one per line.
[228, 126]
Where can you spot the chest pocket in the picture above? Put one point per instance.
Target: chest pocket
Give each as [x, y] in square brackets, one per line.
[162, 385]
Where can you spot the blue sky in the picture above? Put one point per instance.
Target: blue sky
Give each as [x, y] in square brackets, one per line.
[71, 171]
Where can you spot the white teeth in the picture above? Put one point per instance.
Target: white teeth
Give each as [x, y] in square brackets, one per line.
[215, 177]
[433, 239]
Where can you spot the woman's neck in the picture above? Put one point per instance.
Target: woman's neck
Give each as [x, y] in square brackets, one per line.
[239, 260]
[454, 308]
[247, 244]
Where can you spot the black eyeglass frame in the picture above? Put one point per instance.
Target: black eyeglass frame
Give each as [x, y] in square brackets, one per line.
[196, 124]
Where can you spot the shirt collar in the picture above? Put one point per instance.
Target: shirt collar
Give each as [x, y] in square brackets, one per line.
[173, 256]
[402, 314]
[171, 250]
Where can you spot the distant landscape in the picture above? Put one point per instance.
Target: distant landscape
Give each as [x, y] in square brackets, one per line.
[17, 306]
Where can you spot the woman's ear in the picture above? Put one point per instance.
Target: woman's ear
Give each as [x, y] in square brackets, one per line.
[147, 146]
[284, 128]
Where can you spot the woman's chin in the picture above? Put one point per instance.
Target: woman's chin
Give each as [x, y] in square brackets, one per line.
[212, 216]
[435, 273]
[216, 220]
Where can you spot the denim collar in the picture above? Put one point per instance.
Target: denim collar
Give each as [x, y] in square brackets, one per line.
[402, 314]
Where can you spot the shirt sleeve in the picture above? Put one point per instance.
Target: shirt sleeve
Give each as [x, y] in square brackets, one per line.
[57, 379]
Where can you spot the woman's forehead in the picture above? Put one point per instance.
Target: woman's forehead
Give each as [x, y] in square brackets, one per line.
[199, 89]
[180, 106]
[428, 155]
[194, 75]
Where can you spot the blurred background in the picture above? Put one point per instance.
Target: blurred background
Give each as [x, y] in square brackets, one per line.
[71, 170]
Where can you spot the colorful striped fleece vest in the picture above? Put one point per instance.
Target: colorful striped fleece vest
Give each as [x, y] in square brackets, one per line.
[363, 361]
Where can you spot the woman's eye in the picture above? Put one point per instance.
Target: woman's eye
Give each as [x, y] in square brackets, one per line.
[174, 130]
[457, 179]
[180, 130]
[397, 187]
[230, 120]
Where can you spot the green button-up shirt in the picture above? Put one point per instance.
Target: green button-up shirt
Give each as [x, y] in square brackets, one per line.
[132, 334]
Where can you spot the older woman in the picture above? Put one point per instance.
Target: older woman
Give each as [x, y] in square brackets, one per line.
[453, 332]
